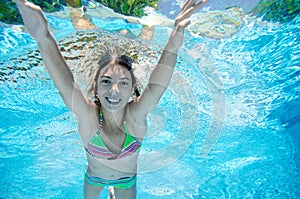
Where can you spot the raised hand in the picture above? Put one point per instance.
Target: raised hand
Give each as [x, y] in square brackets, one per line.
[181, 22]
[34, 19]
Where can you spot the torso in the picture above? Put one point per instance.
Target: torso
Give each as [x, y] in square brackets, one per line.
[112, 169]
[115, 167]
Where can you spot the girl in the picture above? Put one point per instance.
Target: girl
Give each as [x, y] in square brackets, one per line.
[111, 128]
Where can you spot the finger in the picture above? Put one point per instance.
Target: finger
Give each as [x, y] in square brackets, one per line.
[19, 1]
[184, 23]
[198, 5]
[186, 14]
[185, 5]
[193, 9]
[188, 4]
[27, 7]
[20, 6]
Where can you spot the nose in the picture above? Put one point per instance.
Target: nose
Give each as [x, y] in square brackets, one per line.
[114, 89]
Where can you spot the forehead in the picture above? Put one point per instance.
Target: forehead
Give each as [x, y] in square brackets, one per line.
[115, 70]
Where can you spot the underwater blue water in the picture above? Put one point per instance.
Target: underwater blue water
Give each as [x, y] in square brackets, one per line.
[239, 95]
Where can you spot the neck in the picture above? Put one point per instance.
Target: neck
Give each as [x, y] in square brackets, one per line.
[113, 119]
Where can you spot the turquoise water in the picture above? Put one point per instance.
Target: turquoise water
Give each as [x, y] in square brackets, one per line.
[227, 127]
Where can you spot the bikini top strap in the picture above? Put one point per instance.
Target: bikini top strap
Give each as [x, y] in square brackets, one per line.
[100, 123]
[125, 127]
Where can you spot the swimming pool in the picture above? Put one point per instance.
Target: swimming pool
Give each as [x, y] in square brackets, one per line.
[247, 111]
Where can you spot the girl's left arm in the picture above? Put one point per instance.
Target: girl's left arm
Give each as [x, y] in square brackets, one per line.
[162, 74]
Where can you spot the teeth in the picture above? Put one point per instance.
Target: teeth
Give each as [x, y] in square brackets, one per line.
[113, 100]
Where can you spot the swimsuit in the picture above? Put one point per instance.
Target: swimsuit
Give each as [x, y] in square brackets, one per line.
[97, 148]
[121, 183]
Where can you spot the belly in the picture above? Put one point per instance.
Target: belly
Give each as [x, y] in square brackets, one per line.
[112, 169]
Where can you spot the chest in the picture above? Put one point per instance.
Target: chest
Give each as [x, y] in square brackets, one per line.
[113, 140]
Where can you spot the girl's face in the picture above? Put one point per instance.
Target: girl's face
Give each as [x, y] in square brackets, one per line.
[114, 87]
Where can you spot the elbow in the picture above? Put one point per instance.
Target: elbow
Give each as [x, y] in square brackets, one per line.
[155, 92]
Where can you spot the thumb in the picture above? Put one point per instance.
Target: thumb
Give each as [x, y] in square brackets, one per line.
[183, 24]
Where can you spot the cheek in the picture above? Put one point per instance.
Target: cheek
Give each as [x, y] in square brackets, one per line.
[101, 90]
[126, 92]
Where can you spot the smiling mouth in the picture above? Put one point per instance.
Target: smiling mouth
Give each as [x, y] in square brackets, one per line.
[113, 101]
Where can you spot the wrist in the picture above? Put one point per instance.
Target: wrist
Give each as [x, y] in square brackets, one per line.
[170, 52]
[171, 48]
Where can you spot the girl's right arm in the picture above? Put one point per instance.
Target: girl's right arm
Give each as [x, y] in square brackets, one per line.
[56, 65]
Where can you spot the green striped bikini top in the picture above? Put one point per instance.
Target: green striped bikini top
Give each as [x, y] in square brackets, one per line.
[97, 148]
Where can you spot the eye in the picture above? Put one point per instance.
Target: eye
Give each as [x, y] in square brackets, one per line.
[124, 83]
[105, 82]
